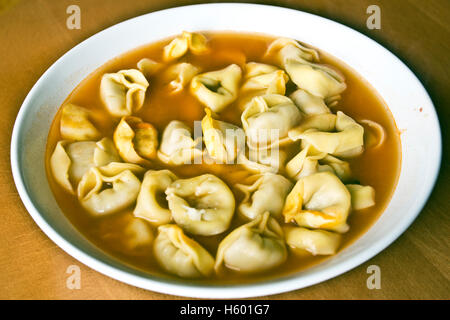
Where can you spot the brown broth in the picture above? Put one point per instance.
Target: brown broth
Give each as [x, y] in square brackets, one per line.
[378, 167]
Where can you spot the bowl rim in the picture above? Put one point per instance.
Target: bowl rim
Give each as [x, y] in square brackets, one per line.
[268, 287]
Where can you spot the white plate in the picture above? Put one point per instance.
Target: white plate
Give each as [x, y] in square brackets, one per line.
[397, 85]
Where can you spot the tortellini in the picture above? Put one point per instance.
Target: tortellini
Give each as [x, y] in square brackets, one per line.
[362, 196]
[76, 125]
[267, 193]
[109, 189]
[308, 103]
[150, 196]
[123, 92]
[136, 141]
[319, 80]
[347, 140]
[180, 255]
[263, 160]
[148, 67]
[253, 247]
[267, 119]
[130, 235]
[180, 75]
[272, 121]
[217, 89]
[309, 161]
[177, 146]
[70, 161]
[223, 140]
[285, 49]
[203, 205]
[316, 242]
[260, 79]
[319, 200]
[178, 47]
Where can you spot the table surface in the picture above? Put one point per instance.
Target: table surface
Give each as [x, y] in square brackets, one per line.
[33, 35]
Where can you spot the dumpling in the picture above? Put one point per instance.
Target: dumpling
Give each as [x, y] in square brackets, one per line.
[263, 160]
[180, 255]
[267, 193]
[217, 89]
[109, 189]
[123, 93]
[177, 146]
[309, 161]
[223, 140]
[152, 197]
[267, 119]
[316, 242]
[180, 75]
[374, 133]
[75, 124]
[70, 161]
[148, 67]
[194, 42]
[284, 49]
[362, 196]
[308, 103]
[347, 140]
[264, 79]
[130, 235]
[136, 141]
[253, 247]
[319, 80]
[203, 205]
[319, 200]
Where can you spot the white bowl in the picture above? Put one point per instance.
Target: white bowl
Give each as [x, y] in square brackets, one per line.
[397, 85]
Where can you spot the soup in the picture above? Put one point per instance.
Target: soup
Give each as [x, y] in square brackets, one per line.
[128, 170]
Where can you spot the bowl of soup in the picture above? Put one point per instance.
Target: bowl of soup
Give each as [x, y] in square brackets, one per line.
[224, 156]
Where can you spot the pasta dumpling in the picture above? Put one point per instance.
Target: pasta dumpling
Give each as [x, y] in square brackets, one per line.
[149, 204]
[136, 141]
[316, 242]
[263, 79]
[319, 200]
[253, 247]
[309, 161]
[203, 205]
[267, 119]
[70, 161]
[267, 193]
[109, 189]
[177, 146]
[347, 140]
[123, 92]
[319, 80]
[130, 235]
[217, 89]
[309, 104]
[180, 75]
[284, 49]
[148, 67]
[193, 42]
[75, 124]
[181, 255]
[223, 140]
[263, 160]
[362, 196]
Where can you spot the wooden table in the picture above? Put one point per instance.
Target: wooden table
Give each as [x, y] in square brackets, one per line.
[33, 34]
